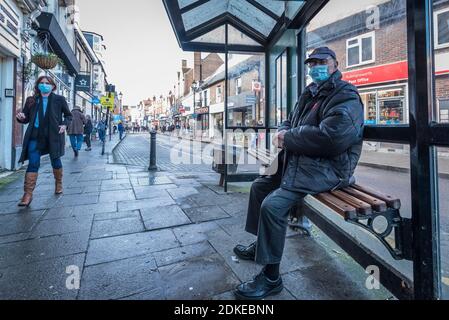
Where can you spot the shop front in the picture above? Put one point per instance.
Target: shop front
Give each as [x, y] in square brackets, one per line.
[201, 117]
[216, 117]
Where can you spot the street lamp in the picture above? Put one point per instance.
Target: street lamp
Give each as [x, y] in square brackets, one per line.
[120, 96]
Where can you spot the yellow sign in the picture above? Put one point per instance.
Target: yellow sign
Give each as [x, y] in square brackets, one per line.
[108, 101]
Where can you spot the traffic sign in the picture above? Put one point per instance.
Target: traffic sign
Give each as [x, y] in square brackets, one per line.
[108, 101]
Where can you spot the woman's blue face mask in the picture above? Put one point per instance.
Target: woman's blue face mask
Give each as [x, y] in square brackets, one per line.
[45, 88]
[319, 73]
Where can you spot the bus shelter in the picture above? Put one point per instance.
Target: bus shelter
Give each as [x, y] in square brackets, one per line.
[394, 51]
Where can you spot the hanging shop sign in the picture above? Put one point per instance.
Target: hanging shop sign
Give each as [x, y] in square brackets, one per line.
[250, 99]
[203, 110]
[82, 82]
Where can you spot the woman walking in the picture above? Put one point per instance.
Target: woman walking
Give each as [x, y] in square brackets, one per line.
[88, 128]
[76, 130]
[45, 135]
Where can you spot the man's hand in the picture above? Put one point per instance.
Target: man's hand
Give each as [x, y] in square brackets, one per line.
[20, 116]
[62, 129]
[278, 140]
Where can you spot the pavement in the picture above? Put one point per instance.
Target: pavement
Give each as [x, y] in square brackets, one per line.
[121, 232]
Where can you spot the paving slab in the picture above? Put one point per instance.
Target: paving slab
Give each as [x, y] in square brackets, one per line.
[42, 280]
[145, 203]
[119, 279]
[324, 281]
[195, 233]
[76, 200]
[19, 223]
[117, 215]
[149, 192]
[115, 227]
[128, 246]
[29, 251]
[115, 196]
[208, 213]
[164, 217]
[197, 279]
[53, 227]
[180, 193]
[175, 255]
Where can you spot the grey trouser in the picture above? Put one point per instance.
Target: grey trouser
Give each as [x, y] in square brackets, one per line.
[268, 212]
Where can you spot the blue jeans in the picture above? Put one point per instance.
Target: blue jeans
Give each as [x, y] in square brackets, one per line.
[76, 140]
[34, 158]
[101, 134]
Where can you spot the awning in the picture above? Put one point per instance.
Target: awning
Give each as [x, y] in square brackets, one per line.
[201, 24]
[48, 24]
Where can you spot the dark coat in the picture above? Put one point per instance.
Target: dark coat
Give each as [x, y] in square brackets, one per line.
[55, 143]
[324, 139]
[76, 126]
[88, 127]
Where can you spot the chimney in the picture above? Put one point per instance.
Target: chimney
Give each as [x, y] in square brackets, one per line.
[197, 66]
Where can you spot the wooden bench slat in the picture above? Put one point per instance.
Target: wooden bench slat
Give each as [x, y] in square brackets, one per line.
[375, 203]
[391, 201]
[361, 206]
[341, 207]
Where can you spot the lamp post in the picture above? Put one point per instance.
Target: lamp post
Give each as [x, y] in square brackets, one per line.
[120, 96]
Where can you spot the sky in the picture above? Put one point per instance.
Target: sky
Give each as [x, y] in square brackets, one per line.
[143, 55]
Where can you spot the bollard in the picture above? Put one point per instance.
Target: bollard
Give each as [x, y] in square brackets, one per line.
[153, 166]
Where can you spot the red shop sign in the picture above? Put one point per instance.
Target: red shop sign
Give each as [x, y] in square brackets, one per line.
[379, 74]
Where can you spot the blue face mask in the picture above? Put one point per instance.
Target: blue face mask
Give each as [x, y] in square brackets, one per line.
[45, 88]
[319, 73]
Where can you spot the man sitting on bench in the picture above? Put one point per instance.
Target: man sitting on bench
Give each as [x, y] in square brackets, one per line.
[321, 145]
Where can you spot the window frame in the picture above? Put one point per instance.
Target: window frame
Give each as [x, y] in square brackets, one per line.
[436, 31]
[372, 35]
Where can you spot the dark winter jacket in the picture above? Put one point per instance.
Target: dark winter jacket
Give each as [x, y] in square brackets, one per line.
[88, 127]
[324, 139]
[57, 114]
[76, 127]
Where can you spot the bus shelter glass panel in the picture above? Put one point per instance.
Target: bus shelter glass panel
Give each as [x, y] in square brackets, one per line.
[246, 90]
[441, 60]
[370, 41]
[440, 16]
[443, 185]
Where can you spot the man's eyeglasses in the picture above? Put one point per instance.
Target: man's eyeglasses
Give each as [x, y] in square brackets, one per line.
[317, 62]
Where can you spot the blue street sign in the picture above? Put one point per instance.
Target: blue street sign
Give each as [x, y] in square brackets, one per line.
[250, 99]
[95, 100]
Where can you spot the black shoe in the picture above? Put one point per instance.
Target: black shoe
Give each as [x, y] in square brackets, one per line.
[246, 252]
[258, 289]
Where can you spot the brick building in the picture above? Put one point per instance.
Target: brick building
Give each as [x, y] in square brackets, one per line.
[373, 55]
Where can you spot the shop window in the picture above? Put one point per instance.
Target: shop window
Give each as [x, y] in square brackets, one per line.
[441, 20]
[385, 105]
[246, 102]
[444, 110]
[206, 99]
[219, 96]
[360, 50]
[238, 85]
[281, 88]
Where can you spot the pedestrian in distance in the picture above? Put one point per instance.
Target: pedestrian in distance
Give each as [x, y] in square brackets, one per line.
[88, 128]
[121, 129]
[75, 130]
[48, 116]
[101, 128]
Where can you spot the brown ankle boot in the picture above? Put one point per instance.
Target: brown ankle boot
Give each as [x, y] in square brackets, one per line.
[58, 180]
[29, 185]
